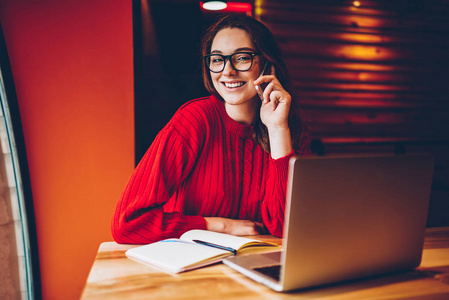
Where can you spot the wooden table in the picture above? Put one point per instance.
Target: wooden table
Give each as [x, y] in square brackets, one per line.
[114, 276]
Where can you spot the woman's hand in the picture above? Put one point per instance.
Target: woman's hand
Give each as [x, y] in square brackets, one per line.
[276, 102]
[274, 114]
[234, 227]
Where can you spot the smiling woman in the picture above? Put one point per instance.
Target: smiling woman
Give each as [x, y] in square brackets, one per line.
[238, 34]
[221, 162]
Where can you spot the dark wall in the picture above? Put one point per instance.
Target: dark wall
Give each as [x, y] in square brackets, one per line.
[371, 79]
[168, 64]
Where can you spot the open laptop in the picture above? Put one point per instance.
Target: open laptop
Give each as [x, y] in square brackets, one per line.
[347, 218]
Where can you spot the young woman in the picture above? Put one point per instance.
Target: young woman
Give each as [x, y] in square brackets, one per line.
[221, 162]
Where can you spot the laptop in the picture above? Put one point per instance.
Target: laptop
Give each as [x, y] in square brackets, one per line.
[347, 218]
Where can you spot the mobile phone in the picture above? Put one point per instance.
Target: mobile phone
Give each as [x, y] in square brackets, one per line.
[261, 88]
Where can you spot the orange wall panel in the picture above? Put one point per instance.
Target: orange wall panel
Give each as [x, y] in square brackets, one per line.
[72, 63]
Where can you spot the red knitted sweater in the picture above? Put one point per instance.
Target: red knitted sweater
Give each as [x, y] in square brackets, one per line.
[202, 164]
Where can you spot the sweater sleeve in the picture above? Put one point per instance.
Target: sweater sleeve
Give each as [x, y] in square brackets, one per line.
[274, 198]
[273, 201]
[139, 216]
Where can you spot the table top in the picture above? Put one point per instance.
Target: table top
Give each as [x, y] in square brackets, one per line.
[114, 276]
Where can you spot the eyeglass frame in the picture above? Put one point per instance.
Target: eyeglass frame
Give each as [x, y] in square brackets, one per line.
[228, 57]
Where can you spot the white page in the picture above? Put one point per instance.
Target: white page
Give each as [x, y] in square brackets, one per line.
[175, 255]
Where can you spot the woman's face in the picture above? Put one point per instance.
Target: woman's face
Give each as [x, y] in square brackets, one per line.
[235, 87]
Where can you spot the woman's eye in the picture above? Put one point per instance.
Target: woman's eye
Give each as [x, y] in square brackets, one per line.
[216, 60]
[243, 58]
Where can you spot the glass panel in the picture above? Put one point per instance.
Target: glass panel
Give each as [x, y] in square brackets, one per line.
[16, 274]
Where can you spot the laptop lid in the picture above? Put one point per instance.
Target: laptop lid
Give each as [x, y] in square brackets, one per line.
[352, 217]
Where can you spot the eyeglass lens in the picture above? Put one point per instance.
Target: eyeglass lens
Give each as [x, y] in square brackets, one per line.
[240, 61]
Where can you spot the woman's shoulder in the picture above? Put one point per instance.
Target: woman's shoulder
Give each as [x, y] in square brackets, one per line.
[199, 104]
[193, 123]
[197, 111]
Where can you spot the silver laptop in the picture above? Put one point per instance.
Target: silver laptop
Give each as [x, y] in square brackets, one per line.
[347, 218]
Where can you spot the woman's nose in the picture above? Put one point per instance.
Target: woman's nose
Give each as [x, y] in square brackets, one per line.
[228, 68]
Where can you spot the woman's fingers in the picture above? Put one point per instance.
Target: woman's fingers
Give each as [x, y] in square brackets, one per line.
[265, 79]
[273, 85]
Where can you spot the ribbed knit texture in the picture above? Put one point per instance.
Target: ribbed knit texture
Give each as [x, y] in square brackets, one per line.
[202, 164]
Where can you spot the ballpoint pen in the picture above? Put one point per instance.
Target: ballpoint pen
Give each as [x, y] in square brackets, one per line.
[216, 246]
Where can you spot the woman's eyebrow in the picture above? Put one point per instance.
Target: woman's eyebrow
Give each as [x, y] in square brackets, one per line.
[236, 50]
[245, 49]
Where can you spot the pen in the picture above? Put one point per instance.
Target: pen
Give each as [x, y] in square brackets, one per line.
[216, 246]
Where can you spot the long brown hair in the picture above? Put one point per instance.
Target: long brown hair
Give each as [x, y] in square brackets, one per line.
[265, 44]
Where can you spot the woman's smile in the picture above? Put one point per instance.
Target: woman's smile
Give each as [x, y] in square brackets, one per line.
[233, 84]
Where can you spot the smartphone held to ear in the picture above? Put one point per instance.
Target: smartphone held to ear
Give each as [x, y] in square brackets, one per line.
[260, 88]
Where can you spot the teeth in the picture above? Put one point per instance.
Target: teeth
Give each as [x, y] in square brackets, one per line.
[233, 85]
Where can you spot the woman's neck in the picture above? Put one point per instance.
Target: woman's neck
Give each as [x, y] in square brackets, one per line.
[243, 113]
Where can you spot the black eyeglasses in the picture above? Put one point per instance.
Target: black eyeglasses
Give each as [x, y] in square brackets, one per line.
[240, 61]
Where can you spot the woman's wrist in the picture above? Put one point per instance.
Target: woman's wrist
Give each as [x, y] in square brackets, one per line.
[214, 224]
[280, 141]
[278, 130]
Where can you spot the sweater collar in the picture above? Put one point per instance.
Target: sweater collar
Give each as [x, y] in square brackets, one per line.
[230, 124]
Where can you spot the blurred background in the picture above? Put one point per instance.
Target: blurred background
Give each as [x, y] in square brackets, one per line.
[372, 76]
[93, 82]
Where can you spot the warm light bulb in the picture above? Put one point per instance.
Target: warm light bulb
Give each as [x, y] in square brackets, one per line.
[356, 3]
[214, 5]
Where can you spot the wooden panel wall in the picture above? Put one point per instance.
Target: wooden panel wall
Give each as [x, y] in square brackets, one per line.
[373, 78]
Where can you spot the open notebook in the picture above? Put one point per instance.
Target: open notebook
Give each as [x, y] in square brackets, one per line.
[195, 249]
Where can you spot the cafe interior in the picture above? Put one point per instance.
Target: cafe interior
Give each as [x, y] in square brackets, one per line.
[86, 86]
